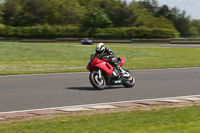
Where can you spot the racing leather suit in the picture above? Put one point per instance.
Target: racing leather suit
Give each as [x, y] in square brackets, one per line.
[109, 54]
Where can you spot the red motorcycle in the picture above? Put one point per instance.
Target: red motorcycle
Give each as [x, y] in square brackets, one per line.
[102, 73]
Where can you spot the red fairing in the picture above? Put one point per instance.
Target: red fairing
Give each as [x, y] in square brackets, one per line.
[96, 61]
[106, 67]
[92, 64]
[122, 61]
[89, 68]
[102, 64]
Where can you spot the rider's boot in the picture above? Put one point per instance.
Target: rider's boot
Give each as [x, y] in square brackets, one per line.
[122, 72]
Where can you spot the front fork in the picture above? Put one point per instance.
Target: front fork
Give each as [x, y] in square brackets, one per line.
[99, 71]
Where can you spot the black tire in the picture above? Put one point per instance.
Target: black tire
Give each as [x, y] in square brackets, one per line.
[96, 83]
[129, 82]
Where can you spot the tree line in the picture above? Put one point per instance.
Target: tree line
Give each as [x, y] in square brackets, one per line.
[94, 14]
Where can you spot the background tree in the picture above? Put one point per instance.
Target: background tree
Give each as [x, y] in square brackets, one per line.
[30, 13]
[121, 15]
[96, 18]
[39, 12]
[94, 14]
[84, 3]
[1, 13]
[118, 12]
[193, 32]
[63, 12]
[150, 5]
[194, 29]
[179, 18]
[9, 9]
[146, 19]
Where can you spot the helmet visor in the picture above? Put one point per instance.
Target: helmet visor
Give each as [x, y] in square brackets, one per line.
[99, 52]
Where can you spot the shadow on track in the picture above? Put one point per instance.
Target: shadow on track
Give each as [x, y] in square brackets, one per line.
[91, 88]
[82, 88]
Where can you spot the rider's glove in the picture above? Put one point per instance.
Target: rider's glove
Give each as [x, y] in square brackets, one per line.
[107, 57]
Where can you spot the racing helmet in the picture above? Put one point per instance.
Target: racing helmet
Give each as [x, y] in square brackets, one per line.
[100, 48]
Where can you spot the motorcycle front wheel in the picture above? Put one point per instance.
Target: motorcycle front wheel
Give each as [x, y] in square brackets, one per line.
[98, 83]
[129, 82]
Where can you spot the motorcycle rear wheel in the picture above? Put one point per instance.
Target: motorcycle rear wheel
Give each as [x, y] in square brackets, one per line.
[98, 83]
[129, 82]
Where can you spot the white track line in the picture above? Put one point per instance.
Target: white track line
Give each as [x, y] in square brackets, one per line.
[71, 73]
[56, 108]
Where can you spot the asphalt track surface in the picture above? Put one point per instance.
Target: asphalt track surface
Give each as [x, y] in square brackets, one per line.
[67, 89]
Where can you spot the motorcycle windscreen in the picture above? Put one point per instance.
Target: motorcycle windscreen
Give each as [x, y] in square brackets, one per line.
[122, 61]
[92, 56]
[96, 61]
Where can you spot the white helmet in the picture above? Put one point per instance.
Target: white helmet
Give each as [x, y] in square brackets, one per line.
[100, 48]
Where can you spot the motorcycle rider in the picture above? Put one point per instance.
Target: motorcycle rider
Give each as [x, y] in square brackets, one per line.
[104, 52]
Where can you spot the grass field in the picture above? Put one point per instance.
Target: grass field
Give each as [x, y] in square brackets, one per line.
[33, 58]
[174, 120]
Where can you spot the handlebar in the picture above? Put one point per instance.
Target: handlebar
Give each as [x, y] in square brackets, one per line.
[108, 56]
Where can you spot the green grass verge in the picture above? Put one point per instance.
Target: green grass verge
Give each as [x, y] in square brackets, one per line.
[175, 120]
[33, 58]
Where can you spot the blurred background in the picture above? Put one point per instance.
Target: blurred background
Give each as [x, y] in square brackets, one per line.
[95, 18]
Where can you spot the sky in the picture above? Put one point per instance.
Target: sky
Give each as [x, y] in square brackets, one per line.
[192, 7]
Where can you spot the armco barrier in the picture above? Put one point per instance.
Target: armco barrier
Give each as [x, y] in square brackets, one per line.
[184, 41]
[78, 40]
[37, 40]
[9, 39]
[68, 39]
[167, 41]
[112, 41]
